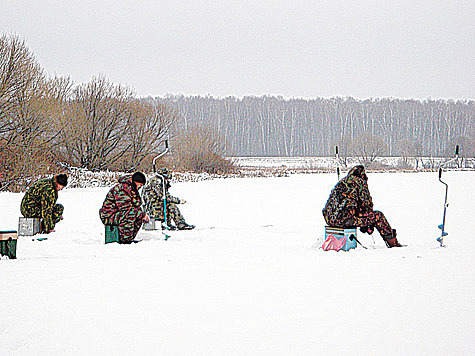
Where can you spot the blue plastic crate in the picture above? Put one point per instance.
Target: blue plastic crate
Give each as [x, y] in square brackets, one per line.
[339, 233]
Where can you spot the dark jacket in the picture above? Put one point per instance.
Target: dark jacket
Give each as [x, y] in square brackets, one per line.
[349, 198]
[39, 202]
[122, 198]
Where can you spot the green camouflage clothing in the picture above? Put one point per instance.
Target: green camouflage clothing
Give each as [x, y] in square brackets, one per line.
[122, 208]
[350, 204]
[40, 202]
[153, 199]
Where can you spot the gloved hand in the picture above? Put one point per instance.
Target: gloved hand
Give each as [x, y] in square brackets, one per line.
[367, 229]
[146, 218]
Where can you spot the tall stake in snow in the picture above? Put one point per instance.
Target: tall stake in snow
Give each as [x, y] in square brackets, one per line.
[442, 226]
[337, 163]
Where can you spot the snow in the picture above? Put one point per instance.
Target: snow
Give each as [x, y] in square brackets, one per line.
[251, 279]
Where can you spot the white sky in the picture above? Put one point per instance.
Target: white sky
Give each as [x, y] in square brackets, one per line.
[409, 48]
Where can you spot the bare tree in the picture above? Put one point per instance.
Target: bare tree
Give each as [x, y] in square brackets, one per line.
[27, 114]
[148, 125]
[99, 116]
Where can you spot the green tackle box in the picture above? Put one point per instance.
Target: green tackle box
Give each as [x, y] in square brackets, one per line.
[112, 233]
[8, 240]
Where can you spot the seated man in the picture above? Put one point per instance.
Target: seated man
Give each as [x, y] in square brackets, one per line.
[153, 199]
[122, 207]
[350, 205]
[40, 202]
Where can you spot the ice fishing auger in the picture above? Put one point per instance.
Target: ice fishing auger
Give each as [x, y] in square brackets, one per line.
[442, 226]
[160, 155]
[163, 182]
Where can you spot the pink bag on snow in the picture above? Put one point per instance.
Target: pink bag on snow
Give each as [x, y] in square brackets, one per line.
[333, 243]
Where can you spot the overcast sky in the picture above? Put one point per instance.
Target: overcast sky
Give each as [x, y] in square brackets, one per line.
[367, 48]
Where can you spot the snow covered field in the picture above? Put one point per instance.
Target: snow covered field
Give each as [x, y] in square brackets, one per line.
[251, 279]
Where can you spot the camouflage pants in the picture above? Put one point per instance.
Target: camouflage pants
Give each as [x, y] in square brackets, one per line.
[127, 222]
[155, 209]
[35, 212]
[173, 213]
[372, 218]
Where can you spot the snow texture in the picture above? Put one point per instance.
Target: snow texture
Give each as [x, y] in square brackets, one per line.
[251, 279]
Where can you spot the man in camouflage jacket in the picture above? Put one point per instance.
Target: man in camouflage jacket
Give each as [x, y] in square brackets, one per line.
[350, 205]
[153, 199]
[40, 202]
[122, 207]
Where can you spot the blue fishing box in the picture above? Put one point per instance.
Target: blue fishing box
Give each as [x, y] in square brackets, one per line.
[340, 232]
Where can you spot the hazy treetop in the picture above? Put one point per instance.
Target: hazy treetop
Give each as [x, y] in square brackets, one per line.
[367, 48]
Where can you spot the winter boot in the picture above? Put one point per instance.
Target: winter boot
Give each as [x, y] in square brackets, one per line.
[169, 226]
[185, 226]
[391, 240]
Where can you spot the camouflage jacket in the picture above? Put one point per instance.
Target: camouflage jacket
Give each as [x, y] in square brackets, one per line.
[122, 197]
[153, 197]
[349, 198]
[39, 202]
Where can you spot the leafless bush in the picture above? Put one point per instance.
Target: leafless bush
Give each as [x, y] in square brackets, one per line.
[201, 149]
[368, 147]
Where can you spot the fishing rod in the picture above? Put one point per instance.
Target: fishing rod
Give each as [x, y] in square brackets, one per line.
[337, 162]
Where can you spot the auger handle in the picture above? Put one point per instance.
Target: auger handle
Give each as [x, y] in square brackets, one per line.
[160, 155]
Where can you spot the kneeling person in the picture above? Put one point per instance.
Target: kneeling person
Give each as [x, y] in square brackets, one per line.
[40, 202]
[122, 207]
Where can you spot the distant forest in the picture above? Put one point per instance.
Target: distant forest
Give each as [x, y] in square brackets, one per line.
[275, 126]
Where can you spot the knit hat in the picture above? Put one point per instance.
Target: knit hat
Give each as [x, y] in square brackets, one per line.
[62, 179]
[164, 172]
[139, 177]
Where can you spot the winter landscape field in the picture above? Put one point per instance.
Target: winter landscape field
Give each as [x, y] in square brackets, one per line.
[251, 279]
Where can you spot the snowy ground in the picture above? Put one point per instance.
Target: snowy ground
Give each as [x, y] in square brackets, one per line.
[254, 284]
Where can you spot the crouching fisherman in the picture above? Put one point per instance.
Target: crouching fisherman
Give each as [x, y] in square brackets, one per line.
[40, 202]
[350, 205]
[122, 207]
[155, 194]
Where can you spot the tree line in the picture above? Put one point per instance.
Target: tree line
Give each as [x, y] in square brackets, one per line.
[50, 123]
[275, 126]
